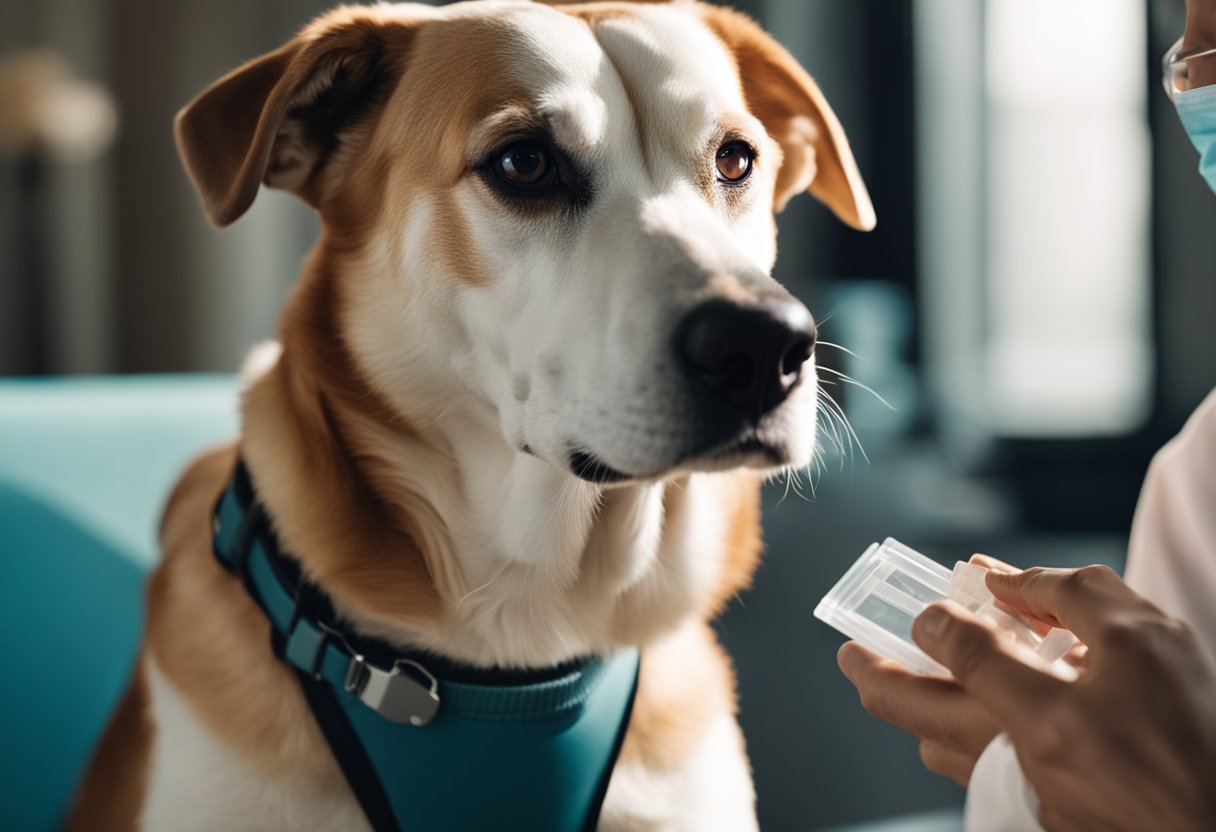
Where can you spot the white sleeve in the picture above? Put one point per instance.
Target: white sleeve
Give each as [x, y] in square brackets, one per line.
[998, 797]
[1172, 556]
[1171, 561]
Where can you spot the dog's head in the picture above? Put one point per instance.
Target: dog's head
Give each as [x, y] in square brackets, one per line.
[557, 218]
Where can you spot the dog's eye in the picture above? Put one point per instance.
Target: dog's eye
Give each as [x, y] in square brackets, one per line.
[526, 164]
[734, 162]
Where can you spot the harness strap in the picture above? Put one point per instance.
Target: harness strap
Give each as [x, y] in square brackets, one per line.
[401, 687]
[340, 672]
[601, 790]
[356, 767]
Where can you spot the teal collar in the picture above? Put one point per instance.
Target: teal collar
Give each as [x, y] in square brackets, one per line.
[392, 716]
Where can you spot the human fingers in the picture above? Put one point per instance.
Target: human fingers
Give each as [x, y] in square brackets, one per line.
[948, 762]
[1078, 656]
[993, 564]
[1083, 600]
[1011, 690]
[937, 710]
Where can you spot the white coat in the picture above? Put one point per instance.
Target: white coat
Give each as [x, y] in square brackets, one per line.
[1171, 561]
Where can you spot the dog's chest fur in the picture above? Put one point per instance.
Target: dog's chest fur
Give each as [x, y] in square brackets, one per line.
[232, 731]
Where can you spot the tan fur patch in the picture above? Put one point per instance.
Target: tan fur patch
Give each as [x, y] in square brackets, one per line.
[686, 681]
[303, 432]
[744, 544]
[211, 642]
[438, 109]
[112, 792]
[452, 244]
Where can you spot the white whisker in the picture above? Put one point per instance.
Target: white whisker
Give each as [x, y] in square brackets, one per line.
[820, 322]
[839, 347]
[847, 379]
[786, 492]
[830, 428]
[844, 420]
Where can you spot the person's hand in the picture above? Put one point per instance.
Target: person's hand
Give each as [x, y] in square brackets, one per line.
[953, 728]
[1132, 743]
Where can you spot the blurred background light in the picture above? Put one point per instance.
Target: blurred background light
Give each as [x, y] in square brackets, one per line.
[1068, 351]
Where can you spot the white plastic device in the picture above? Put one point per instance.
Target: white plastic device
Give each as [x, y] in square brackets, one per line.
[876, 601]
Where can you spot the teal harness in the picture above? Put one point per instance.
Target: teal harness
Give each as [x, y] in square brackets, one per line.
[426, 743]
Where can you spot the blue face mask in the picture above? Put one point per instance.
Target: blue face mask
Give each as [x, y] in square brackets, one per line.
[1197, 109]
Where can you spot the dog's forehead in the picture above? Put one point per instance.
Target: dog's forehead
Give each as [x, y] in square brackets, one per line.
[565, 73]
[676, 70]
[678, 79]
[654, 66]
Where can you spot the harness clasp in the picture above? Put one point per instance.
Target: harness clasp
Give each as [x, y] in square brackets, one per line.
[405, 693]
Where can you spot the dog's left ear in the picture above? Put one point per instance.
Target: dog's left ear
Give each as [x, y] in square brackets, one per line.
[782, 95]
[279, 118]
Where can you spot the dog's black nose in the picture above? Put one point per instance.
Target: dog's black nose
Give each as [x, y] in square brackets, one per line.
[747, 355]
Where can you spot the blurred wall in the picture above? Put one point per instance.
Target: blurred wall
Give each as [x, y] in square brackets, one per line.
[135, 279]
[74, 213]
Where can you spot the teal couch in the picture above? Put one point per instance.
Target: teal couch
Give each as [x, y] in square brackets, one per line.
[85, 466]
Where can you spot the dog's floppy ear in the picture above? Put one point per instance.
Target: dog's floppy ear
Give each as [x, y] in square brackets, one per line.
[278, 118]
[782, 95]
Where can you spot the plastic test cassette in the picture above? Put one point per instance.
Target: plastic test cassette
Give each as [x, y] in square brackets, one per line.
[889, 585]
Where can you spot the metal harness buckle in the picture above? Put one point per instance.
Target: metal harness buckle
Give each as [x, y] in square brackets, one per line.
[410, 695]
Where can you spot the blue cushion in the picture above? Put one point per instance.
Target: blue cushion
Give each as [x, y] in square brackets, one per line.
[71, 612]
[85, 466]
[106, 450]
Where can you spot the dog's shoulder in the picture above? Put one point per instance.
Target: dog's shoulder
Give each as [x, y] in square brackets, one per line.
[194, 496]
[199, 620]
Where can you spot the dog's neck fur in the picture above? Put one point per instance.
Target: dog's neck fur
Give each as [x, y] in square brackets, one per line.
[442, 536]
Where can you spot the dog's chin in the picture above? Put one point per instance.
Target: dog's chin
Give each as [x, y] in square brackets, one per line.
[745, 452]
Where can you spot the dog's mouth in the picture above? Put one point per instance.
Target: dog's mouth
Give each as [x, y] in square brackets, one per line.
[591, 468]
[736, 453]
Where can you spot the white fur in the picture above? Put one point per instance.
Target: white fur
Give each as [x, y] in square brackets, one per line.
[258, 362]
[196, 784]
[713, 793]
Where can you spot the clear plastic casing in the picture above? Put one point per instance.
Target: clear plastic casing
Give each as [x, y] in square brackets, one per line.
[890, 584]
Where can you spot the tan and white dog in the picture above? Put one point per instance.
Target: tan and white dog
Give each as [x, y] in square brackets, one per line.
[525, 390]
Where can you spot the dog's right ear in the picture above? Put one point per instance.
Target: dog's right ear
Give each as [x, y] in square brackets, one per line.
[278, 118]
[795, 113]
